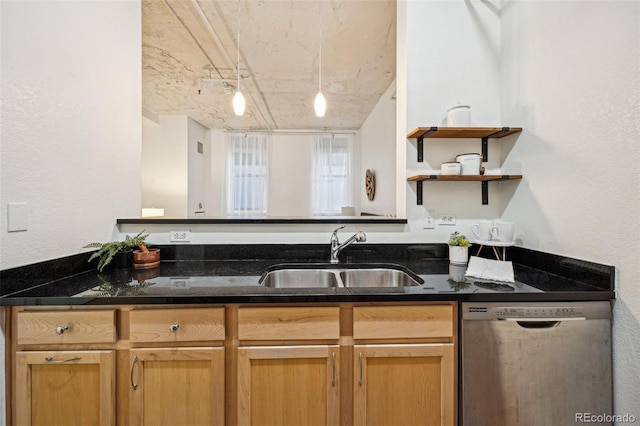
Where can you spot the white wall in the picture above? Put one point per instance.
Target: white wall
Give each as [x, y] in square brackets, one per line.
[290, 175]
[70, 125]
[452, 55]
[165, 159]
[215, 172]
[571, 78]
[377, 153]
[196, 165]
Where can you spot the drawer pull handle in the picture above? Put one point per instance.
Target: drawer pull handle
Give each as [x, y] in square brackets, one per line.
[133, 385]
[60, 361]
[333, 376]
[360, 381]
[174, 327]
[61, 329]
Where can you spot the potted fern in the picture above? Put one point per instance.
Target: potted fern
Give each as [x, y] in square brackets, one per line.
[458, 249]
[108, 251]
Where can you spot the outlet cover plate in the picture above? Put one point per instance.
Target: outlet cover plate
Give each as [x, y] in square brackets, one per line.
[180, 236]
[447, 219]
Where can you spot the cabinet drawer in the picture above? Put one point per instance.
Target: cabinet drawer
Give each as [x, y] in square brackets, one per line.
[289, 323]
[176, 325]
[390, 322]
[64, 327]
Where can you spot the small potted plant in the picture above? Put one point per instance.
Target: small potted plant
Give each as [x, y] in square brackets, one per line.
[458, 249]
[108, 251]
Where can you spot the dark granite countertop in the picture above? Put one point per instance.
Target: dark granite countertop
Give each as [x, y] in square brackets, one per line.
[192, 274]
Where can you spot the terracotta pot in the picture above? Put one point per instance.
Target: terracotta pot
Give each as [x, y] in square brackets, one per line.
[150, 259]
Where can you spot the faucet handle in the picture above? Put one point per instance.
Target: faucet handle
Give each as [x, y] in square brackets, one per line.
[335, 231]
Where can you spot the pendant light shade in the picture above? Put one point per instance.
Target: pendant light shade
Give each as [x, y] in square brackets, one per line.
[320, 105]
[238, 103]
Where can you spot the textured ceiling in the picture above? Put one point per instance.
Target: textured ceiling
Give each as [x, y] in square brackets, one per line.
[188, 43]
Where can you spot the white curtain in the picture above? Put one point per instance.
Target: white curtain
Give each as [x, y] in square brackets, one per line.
[332, 174]
[247, 173]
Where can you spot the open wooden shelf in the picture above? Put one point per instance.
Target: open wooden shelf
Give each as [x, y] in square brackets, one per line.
[463, 132]
[484, 179]
[463, 178]
[484, 133]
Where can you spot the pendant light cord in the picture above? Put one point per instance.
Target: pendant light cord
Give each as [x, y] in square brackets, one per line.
[238, 43]
[320, 55]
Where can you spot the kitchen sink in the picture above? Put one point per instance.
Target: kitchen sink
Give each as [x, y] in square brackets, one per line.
[288, 278]
[378, 277]
[332, 275]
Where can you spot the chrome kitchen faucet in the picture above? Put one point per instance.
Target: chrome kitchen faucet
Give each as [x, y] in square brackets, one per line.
[336, 247]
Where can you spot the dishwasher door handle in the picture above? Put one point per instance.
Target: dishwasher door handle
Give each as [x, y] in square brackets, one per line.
[541, 323]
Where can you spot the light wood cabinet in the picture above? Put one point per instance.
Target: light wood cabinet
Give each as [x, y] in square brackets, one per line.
[57, 386]
[320, 364]
[405, 382]
[399, 367]
[172, 384]
[288, 385]
[288, 367]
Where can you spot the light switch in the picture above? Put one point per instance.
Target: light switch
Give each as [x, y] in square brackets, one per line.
[17, 214]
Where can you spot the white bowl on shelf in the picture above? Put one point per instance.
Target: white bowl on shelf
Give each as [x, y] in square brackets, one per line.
[450, 168]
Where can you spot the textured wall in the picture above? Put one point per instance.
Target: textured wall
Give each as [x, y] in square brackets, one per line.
[70, 123]
[571, 77]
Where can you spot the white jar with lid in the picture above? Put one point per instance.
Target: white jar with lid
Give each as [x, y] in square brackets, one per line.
[459, 116]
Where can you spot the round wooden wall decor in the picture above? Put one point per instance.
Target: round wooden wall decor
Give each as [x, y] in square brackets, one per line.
[370, 184]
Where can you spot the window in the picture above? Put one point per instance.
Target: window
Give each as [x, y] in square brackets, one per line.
[332, 174]
[247, 173]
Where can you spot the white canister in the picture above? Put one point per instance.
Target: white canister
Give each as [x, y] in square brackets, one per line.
[459, 116]
[469, 163]
[450, 168]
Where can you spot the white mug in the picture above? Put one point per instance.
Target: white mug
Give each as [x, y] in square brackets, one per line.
[503, 232]
[482, 230]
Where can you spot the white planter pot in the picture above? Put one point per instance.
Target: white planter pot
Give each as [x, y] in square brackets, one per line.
[458, 255]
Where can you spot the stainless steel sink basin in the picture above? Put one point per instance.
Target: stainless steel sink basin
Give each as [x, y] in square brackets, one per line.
[331, 275]
[377, 277]
[290, 278]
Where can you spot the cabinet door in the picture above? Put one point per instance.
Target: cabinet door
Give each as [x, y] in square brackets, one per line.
[288, 385]
[65, 388]
[404, 384]
[177, 386]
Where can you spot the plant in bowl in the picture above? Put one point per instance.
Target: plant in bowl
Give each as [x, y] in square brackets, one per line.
[458, 248]
[107, 251]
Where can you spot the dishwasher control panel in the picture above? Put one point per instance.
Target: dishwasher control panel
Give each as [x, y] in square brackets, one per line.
[538, 312]
[532, 311]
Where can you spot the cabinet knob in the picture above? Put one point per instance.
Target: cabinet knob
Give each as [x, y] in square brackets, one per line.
[174, 327]
[61, 329]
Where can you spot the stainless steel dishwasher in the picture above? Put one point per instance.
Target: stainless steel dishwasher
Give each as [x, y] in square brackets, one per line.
[535, 364]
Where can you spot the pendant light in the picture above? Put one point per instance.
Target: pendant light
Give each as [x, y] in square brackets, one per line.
[320, 104]
[239, 103]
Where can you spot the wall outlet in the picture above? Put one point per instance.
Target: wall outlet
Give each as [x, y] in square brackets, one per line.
[429, 220]
[180, 236]
[447, 219]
